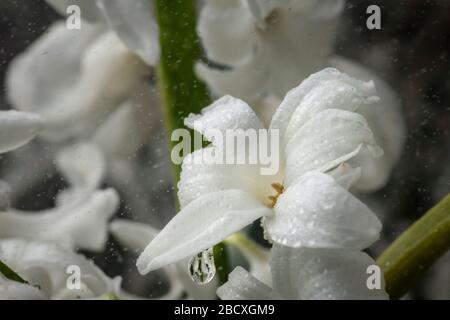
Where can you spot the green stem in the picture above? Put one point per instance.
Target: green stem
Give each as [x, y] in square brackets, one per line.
[181, 91]
[247, 246]
[414, 251]
[11, 274]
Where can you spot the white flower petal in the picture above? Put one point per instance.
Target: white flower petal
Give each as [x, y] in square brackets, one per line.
[343, 94]
[385, 119]
[89, 9]
[294, 98]
[133, 235]
[17, 129]
[82, 164]
[317, 212]
[125, 131]
[346, 175]
[241, 285]
[201, 178]
[323, 274]
[201, 224]
[78, 225]
[227, 30]
[39, 75]
[134, 23]
[12, 290]
[45, 265]
[226, 113]
[68, 78]
[330, 138]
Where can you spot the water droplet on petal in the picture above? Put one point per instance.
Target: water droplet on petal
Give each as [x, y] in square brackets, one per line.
[201, 267]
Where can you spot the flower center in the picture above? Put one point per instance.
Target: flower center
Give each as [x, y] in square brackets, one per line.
[278, 187]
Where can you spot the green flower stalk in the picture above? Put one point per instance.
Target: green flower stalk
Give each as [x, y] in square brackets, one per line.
[413, 252]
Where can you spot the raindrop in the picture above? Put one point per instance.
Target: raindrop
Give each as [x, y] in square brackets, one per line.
[201, 267]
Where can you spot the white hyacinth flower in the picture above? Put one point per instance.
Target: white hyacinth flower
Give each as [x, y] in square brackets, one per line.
[307, 274]
[265, 43]
[76, 79]
[13, 290]
[302, 206]
[132, 21]
[82, 213]
[78, 224]
[18, 128]
[45, 267]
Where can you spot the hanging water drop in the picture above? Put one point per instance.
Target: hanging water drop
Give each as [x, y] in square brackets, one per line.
[201, 267]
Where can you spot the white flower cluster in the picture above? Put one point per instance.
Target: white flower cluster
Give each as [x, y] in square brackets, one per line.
[88, 92]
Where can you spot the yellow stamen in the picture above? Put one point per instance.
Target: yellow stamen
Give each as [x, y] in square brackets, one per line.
[279, 190]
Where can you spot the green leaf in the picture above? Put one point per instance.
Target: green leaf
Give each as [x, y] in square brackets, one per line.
[181, 91]
[10, 274]
[414, 251]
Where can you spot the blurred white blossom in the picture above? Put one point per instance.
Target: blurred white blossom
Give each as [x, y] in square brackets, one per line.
[44, 266]
[82, 213]
[307, 274]
[78, 224]
[77, 79]
[270, 46]
[132, 21]
[18, 128]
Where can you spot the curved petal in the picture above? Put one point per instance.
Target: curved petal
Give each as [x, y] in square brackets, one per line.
[346, 175]
[12, 290]
[330, 138]
[323, 274]
[82, 164]
[17, 129]
[79, 225]
[45, 265]
[295, 97]
[36, 77]
[227, 30]
[134, 23]
[72, 83]
[199, 225]
[128, 128]
[89, 10]
[200, 175]
[385, 119]
[226, 113]
[133, 235]
[347, 95]
[317, 212]
[241, 285]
